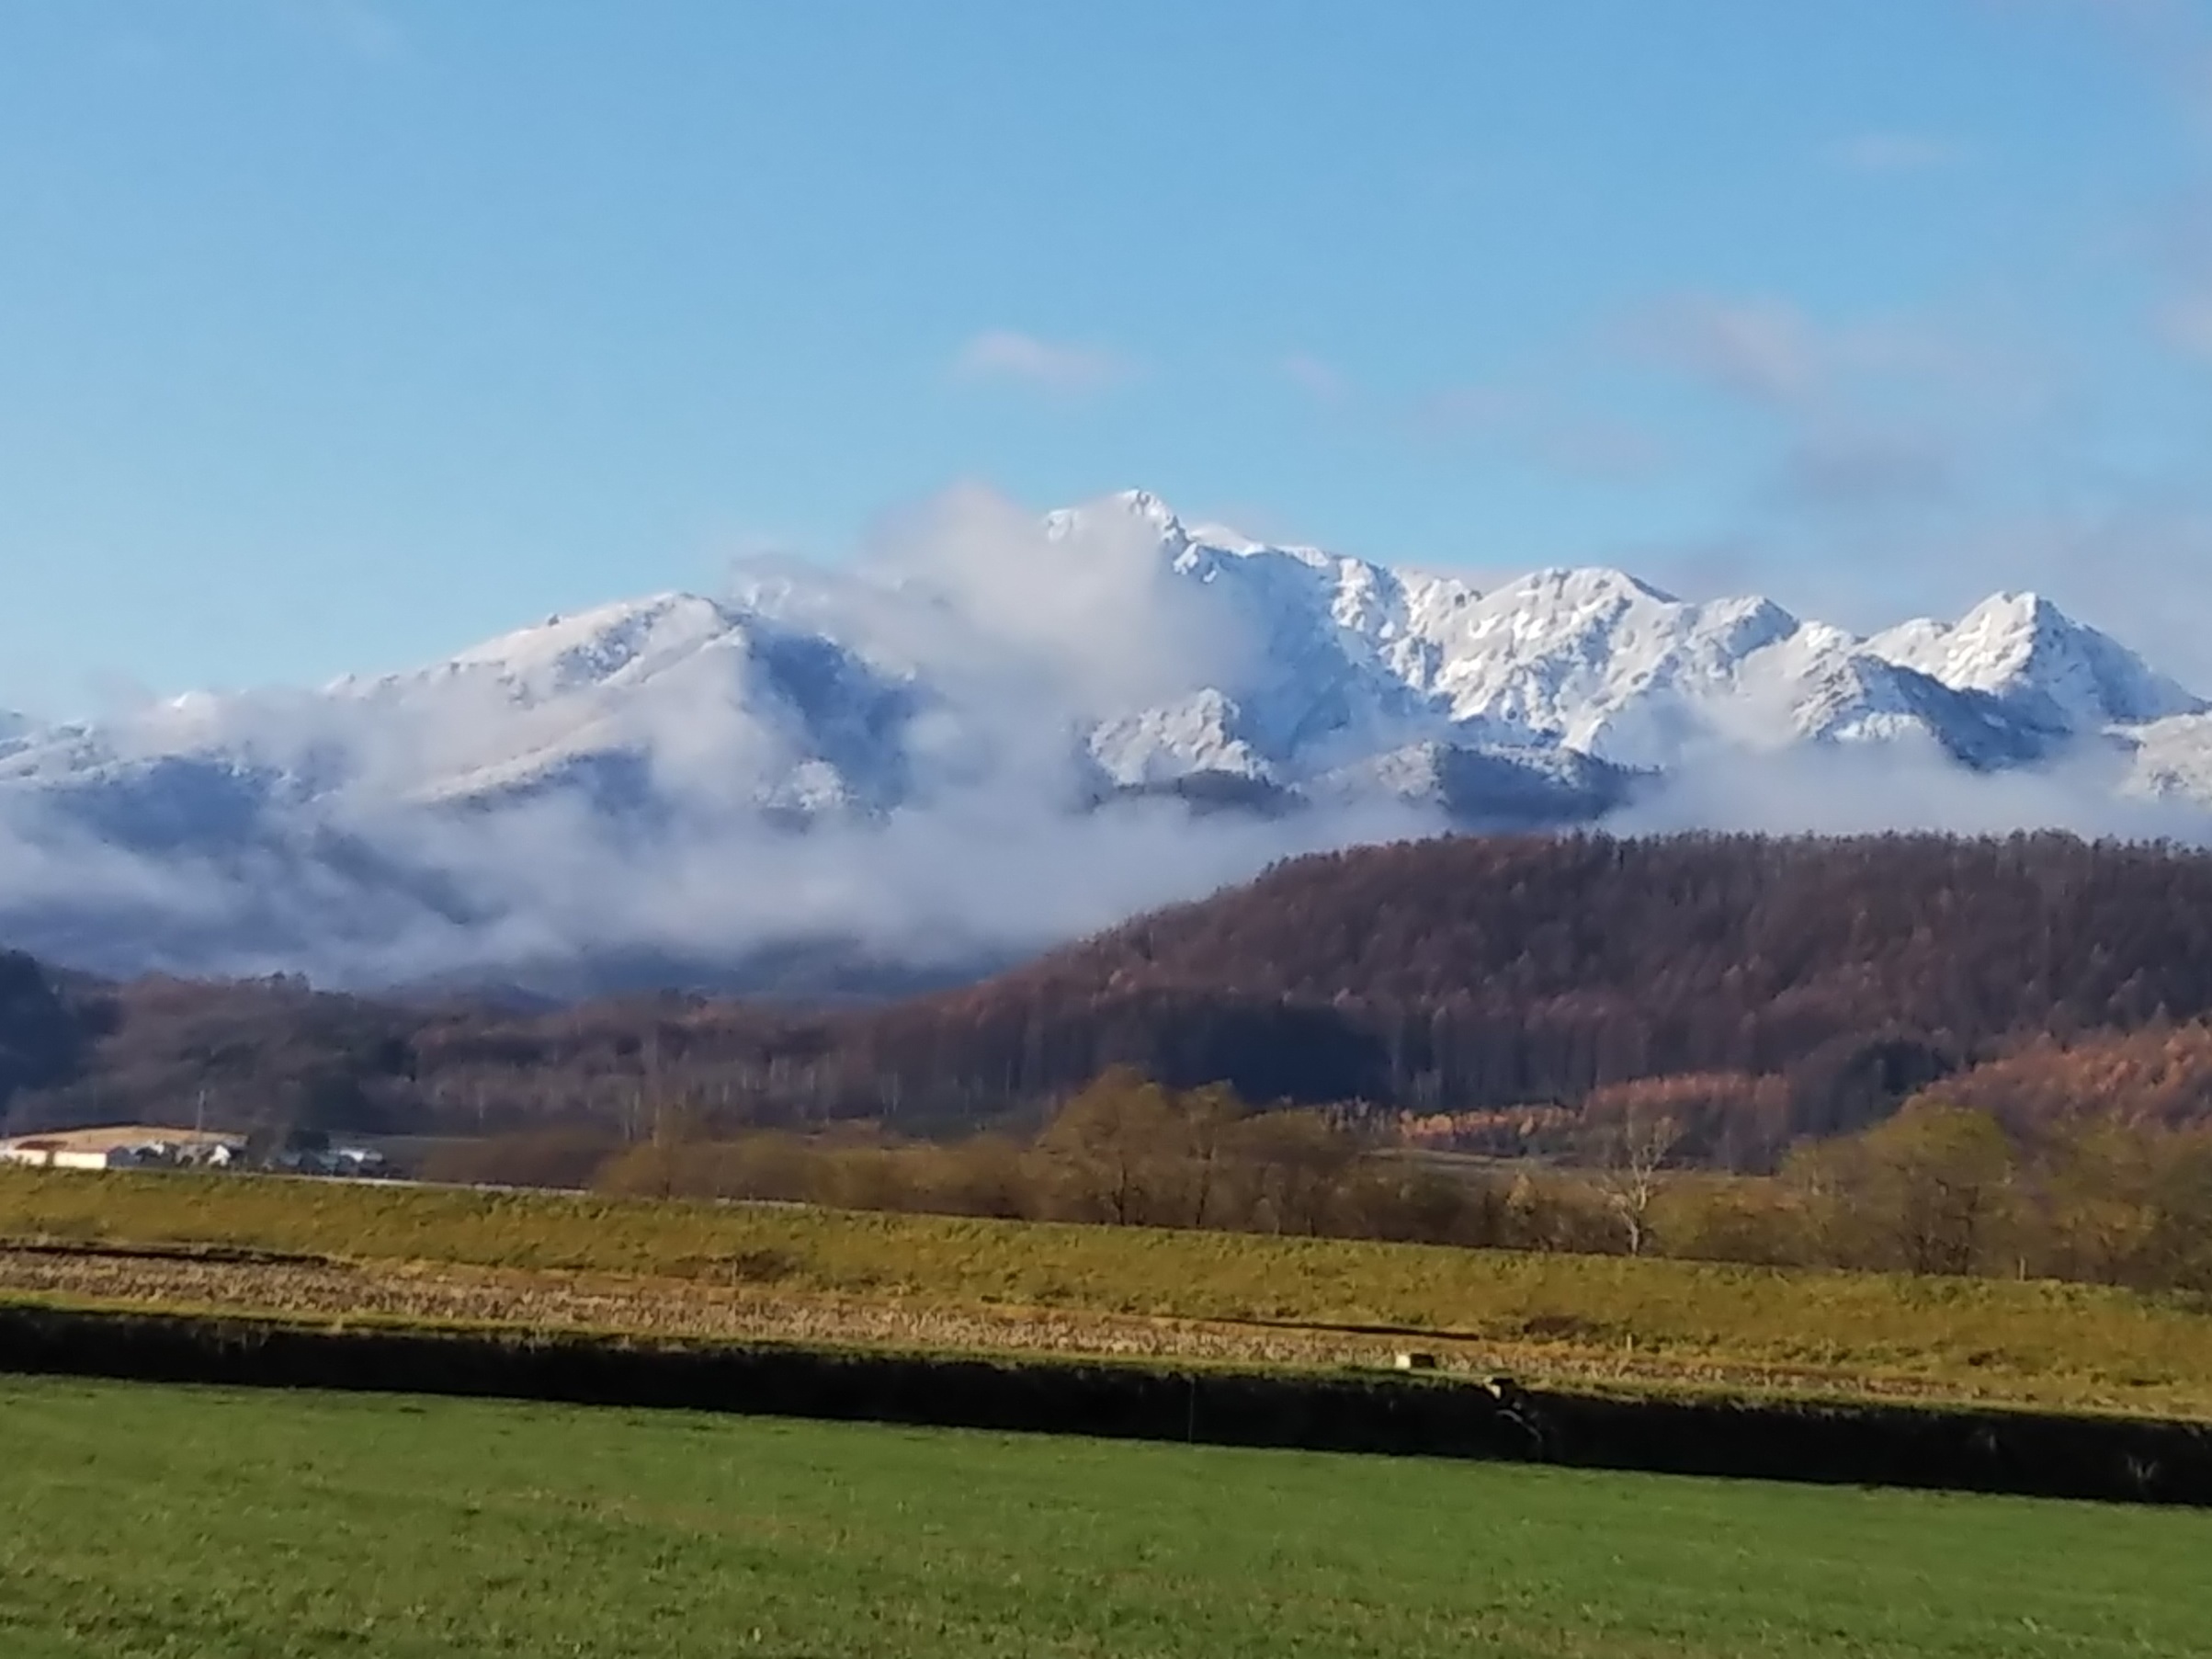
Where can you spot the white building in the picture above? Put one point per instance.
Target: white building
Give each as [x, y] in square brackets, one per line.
[122, 1146]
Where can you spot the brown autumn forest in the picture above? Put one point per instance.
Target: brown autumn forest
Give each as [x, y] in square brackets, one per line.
[1942, 1054]
[1502, 988]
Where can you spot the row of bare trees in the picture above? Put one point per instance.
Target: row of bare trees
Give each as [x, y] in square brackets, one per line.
[1937, 1189]
[1123, 1152]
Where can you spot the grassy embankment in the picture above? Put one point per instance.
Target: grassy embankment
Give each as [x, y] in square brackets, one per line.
[137, 1522]
[829, 1275]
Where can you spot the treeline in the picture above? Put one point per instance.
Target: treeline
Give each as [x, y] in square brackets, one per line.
[271, 1053]
[2160, 1076]
[1470, 973]
[1939, 1188]
[42, 1038]
[1942, 1188]
[1805, 986]
[1123, 1151]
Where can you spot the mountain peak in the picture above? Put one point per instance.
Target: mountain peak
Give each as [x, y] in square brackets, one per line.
[2021, 615]
[565, 652]
[2019, 602]
[2021, 648]
[1143, 504]
[1123, 510]
[1588, 584]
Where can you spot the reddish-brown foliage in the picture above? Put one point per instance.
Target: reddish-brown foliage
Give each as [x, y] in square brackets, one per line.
[1516, 974]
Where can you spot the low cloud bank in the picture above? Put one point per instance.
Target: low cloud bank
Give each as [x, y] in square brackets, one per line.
[976, 875]
[425, 897]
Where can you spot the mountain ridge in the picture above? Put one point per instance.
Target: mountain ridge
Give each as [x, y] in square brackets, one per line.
[1012, 688]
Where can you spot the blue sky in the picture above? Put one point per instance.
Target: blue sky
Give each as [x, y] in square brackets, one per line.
[336, 334]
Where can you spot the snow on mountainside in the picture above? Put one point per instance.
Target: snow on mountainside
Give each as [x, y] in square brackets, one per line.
[979, 737]
[2025, 652]
[2174, 757]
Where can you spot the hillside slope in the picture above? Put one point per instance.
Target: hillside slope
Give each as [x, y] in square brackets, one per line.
[1450, 974]
[1481, 972]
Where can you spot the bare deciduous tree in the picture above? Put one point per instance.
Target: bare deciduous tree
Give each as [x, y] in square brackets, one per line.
[1635, 1151]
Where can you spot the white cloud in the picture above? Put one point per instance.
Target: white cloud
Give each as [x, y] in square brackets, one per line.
[1016, 636]
[1089, 602]
[1856, 789]
[1010, 356]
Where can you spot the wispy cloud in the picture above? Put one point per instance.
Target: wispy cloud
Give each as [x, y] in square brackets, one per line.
[1870, 408]
[1467, 411]
[1889, 153]
[1320, 380]
[1764, 350]
[2169, 39]
[2185, 323]
[1539, 428]
[1600, 447]
[1011, 356]
[355, 27]
[1768, 350]
[1851, 471]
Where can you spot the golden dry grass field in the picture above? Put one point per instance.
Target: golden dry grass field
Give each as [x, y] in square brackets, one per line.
[759, 1271]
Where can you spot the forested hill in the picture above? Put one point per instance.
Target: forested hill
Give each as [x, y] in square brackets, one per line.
[1972, 935]
[42, 1040]
[1487, 971]
[1457, 975]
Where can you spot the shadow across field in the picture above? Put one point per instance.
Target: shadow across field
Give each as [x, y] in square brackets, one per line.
[2128, 1459]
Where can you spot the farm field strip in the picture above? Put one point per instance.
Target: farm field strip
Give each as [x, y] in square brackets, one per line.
[451, 1295]
[140, 1522]
[938, 1282]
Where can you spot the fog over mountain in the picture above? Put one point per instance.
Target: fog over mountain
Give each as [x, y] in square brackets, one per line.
[996, 732]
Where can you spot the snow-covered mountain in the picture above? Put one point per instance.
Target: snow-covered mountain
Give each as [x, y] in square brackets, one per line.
[1002, 732]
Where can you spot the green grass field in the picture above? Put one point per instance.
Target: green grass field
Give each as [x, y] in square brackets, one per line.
[145, 1522]
[2069, 1347]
